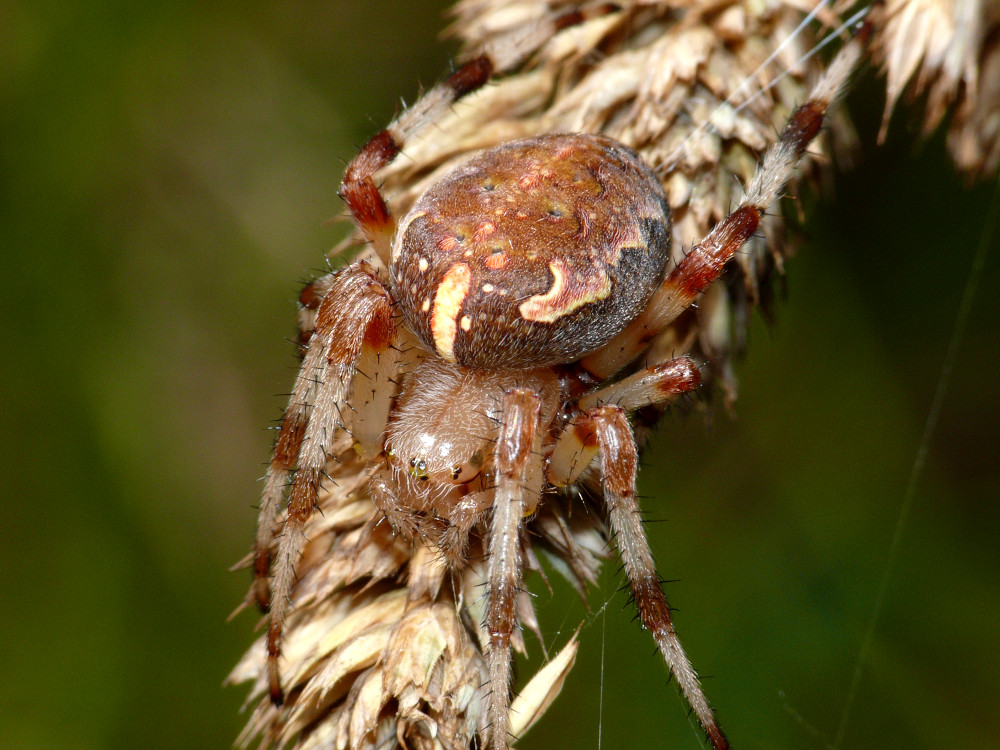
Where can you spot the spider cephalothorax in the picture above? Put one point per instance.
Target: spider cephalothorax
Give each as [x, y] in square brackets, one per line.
[440, 472]
[489, 354]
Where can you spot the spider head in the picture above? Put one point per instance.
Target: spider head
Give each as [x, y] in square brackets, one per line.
[436, 460]
[440, 432]
[443, 431]
[533, 253]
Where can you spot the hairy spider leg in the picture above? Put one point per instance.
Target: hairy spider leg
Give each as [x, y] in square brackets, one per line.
[576, 446]
[283, 461]
[309, 299]
[356, 313]
[359, 191]
[659, 384]
[373, 392]
[517, 448]
[619, 460]
[603, 429]
[286, 448]
[707, 259]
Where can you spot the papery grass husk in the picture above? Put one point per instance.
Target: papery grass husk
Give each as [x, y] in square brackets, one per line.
[948, 52]
[384, 647]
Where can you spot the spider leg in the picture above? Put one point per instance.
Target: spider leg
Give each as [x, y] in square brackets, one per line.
[517, 448]
[619, 459]
[356, 313]
[359, 190]
[373, 391]
[289, 442]
[310, 297]
[707, 259]
[659, 384]
[294, 420]
[577, 444]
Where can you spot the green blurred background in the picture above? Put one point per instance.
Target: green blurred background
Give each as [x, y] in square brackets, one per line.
[166, 171]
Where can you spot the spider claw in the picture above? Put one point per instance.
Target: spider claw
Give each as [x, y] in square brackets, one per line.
[277, 694]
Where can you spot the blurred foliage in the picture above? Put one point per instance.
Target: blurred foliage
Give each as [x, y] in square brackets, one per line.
[167, 171]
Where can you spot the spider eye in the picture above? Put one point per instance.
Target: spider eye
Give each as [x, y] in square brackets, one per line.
[418, 469]
[465, 473]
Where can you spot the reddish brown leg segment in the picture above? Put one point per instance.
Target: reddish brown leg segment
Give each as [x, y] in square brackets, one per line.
[619, 458]
[706, 260]
[356, 310]
[359, 190]
[577, 445]
[517, 442]
[659, 384]
[283, 462]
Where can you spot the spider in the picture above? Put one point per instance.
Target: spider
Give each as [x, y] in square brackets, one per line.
[489, 354]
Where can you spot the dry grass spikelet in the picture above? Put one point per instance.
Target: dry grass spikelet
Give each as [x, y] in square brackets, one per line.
[950, 51]
[384, 647]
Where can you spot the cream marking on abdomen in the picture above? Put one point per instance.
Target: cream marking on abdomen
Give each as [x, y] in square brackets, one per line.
[451, 293]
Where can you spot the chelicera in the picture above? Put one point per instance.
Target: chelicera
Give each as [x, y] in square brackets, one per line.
[489, 353]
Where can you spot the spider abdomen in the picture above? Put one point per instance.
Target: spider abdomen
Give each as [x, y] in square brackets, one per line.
[533, 253]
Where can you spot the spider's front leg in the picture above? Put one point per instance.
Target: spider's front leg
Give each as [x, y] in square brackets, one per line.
[354, 324]
[605, 430]
[517, 459]
[619, 459]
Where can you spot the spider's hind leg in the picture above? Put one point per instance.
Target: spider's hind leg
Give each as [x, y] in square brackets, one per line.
[359, 189]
